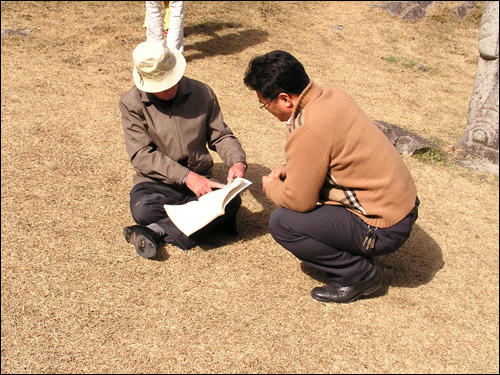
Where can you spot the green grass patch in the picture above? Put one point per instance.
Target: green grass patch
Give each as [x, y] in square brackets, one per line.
[432, 156]
[402, 61]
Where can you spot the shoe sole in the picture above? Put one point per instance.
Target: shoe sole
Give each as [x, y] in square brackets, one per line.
[144, 247]
[127, 233]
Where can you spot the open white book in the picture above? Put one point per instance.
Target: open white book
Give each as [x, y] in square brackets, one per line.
[194, 215]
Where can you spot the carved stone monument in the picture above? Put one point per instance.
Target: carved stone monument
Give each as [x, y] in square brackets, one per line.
[478, 148]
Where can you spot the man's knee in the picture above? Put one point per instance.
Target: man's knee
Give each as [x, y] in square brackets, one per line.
[139, 213]
[147, 209]
[276, 223]
[233, 206]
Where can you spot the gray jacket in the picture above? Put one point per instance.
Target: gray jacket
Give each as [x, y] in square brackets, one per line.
[166, 139]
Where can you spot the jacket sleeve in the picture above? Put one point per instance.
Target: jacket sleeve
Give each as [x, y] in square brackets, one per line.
[143, 153]
[220, 137]
[307, 163]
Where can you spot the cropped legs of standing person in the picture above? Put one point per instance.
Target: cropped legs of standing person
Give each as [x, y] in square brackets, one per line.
[175, 36]
[172, 25]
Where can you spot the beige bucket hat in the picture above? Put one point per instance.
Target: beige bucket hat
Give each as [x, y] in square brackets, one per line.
[157, 68]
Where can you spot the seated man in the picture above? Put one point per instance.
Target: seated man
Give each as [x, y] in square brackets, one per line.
[168, 121]
[345, 194]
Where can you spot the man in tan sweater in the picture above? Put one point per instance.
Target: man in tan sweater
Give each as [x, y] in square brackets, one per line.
[345, 194]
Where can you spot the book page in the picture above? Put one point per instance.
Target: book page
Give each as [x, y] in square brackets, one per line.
[234, 188]
[192, 216]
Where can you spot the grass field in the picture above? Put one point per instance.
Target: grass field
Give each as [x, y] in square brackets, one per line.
[76, 298]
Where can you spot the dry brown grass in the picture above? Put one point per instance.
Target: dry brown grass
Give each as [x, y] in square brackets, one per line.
[77, 299]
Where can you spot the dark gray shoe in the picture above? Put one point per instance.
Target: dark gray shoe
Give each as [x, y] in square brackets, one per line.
[344, 294]
[144, 239]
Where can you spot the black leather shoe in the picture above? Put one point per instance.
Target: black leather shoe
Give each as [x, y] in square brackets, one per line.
[144, 239]
[343, 294]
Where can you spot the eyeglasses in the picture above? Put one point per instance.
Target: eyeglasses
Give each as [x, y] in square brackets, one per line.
[266, 103]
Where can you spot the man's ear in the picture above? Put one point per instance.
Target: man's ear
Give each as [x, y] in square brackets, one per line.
[287, 99]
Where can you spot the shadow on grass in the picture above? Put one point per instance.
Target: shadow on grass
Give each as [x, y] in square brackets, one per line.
[228, 44]
[415, 264]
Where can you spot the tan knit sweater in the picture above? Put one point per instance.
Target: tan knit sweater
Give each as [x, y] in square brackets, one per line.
[336, 155]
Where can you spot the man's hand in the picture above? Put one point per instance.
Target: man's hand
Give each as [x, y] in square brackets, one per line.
[201, 185]
[277, 174]
[237, 170]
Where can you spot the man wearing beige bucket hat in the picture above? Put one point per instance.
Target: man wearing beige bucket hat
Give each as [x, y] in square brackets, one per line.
[169, 123]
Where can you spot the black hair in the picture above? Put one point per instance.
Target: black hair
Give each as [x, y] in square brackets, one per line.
[274, 73]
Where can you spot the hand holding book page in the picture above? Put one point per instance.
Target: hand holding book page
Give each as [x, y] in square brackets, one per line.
[194, 215]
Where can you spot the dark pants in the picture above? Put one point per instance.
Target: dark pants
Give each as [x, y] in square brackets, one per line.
[146, 205]
[330, 238]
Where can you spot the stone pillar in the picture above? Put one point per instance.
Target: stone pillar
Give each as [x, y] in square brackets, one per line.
[481, 134]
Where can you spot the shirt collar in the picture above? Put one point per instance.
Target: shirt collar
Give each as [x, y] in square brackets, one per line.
[310, 93]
